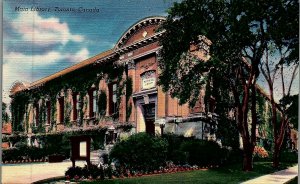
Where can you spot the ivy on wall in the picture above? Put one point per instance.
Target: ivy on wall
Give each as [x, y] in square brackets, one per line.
[79, 81]
[264, 114]
[18, 109]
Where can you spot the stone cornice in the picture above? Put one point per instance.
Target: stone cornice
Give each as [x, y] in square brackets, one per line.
[133, 29]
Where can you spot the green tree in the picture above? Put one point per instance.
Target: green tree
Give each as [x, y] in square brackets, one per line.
[279, 67]
[232, 35]
[5, 117]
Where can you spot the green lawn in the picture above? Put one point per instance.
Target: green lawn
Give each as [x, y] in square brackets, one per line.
[231, 174]
[293, 181]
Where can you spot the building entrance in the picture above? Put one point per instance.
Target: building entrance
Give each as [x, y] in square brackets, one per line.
[149, 115]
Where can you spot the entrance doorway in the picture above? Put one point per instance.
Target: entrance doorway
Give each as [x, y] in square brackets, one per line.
[150, 127]
[149, 115]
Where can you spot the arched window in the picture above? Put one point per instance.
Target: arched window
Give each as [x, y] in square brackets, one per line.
[61, 102]
[48, 112]
[112, 98]
[92, 102]
[75, 106]
[37, 113]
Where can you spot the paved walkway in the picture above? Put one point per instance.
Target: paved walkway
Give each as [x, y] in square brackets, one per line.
[29, 173]
[279, 177]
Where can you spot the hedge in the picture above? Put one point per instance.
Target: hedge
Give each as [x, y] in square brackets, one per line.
[140, 152]
[50, 144]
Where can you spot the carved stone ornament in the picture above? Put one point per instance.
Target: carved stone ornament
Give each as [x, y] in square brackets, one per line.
[131, 65]
[147, 65]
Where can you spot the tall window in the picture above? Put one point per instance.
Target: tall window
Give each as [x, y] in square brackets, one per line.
[78, 106]
[37, 111]
[61, 109]
[112, 98]
[75, 106]
[48, 112]
[92, 102]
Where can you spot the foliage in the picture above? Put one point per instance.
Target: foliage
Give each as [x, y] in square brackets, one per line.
[23, 153]
[289, 156]
[144, 153]
[292, 110]
[17, 138]
[228, 38]
[140, 152]
[74, 171]
[228, 133]
[40, 128]
[18, 108]
[88, 171]
[203, 153]
[280, 64]
[5, 117]
[260, 152]
[80, 81]
[174, 153]
[53, 144]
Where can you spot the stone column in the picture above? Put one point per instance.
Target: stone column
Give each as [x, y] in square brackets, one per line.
[131, 73]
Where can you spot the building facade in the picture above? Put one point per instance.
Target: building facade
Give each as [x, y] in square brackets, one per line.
[114, 89]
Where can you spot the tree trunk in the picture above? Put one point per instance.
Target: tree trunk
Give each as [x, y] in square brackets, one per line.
[276, 155]
[247, 158]
[247, 162]
[278, 142]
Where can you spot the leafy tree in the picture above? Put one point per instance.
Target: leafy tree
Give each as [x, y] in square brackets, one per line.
[292, 110]
[279, 68]
[5, 117]
[227, 39]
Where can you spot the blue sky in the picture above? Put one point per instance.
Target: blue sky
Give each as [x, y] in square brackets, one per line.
[37, 44]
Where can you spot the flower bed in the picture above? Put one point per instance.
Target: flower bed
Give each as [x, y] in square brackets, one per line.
[94, 172]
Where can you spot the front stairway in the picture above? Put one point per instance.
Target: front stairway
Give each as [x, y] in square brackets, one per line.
[96, 154]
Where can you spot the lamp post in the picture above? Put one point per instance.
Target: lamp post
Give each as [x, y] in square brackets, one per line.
[162, 123]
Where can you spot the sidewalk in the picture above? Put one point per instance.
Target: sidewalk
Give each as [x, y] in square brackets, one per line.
[279, 177]
[29, 173]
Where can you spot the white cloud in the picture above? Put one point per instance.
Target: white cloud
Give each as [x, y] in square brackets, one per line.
[39, 31]
[43, 31]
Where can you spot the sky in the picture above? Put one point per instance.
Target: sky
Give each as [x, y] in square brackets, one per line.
[39, 43]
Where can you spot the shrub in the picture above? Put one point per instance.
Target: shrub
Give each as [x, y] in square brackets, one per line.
[105, 158]
[289, 156]
[203, 153]
[140, 152]
[11, 154]
[234, 156]
[260, 152]
[174, 152]
[188, 150]
[23, 153]
[74, 171]
[89, 171]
